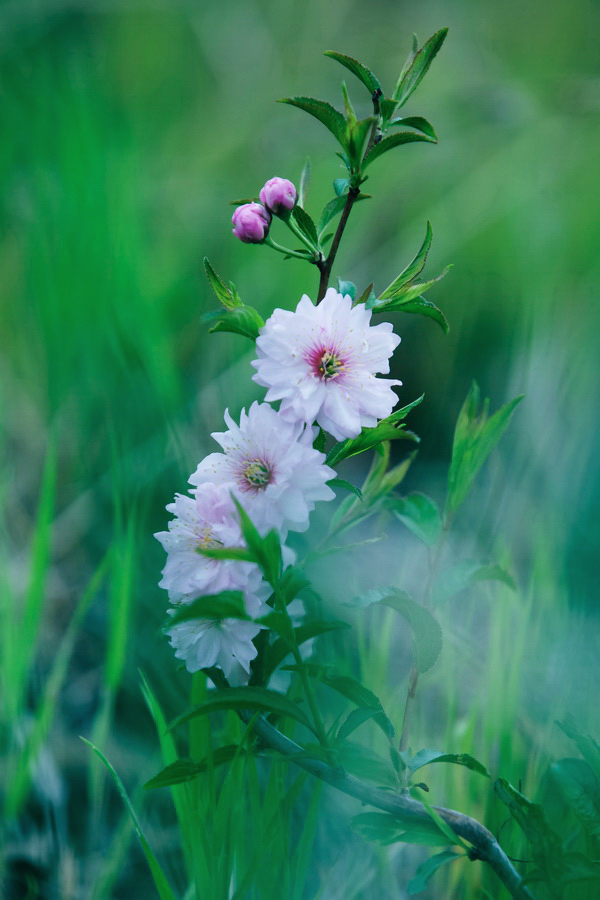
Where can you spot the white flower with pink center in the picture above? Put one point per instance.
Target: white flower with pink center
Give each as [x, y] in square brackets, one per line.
[271, 467]
[208, 519]
[321, 362]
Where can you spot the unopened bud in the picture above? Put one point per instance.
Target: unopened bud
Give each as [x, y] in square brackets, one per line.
[251, 223]
[279, 195]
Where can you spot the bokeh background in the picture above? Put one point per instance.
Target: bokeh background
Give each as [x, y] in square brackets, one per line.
[127, 128]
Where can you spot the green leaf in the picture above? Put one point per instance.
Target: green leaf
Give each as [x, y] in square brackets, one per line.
[365, 763]
[423, 307]
[327, 114]
[391, 141]
[475, 436]
[445, 827]
[226, 605]
[354, 719]
[428, 868]
[334, 208]
[414, 267]
[228, 297]
[241, 554]
[587, 746]
[244, 320]
[387, 429]
[162, 885]
[427, 634]
[277, 652]
[581, 789]
[340, 186]
[397, 294]
[255, 698]
[291, 583]
[304, 183]
[545, 844]
[417, 122]
[357, 68]
[465, 573]
[266, 551]
[352, 690]
[388, 829]
[420, 514]
[358, 135]
[387, 107]
[183, 770]
[366, 294]
[412, 77]
[346, 485]
[426, 757]
[346, 287]
[305, 224]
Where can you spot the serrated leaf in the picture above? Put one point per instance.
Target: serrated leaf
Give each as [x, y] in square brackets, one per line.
[368, 78]
[304, 183]
[420, 514]
[327, 114]
[244, 320]
[228, 297]
[426, 757]
[428, 868]
[427, 634]
[399, 293]
[412, 77]
[226, 605]
[387, 429]
[423, 307]
[346, 485]
[391, 141]
[358, 135]
[581, 789]
[388, 829]
[475, 437]
[183, 770]
[417, 122]
[414, 267]
[277, 652]
[305, 224]
[458, 577]
[256, 698]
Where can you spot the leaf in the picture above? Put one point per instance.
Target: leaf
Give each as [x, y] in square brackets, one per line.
[414, 267]
[475, 436]
[266, 551]
[277, 652]
[458, 577]
[228, 297]
[391, 141]
[445, 827]
[291, 583]
[304, 183]
[428, 868]
[530, 817]
[162, 885]
[420, 514]
[427, 634]
[365, 763]
[183, 770]
[334, 208]
[387, 107]
[358, 135]
[587, 746]
[346, 485]
[424, 307]
[305, 224]
[244, 320]
[405, 294]
[255, 698]
[327, 114]
[352, 690]
[388, 829]
[387, 429]
[357, 68]
[581, 789]
[412, 77]
[426, 757]
[340, 186]
[417, 122]
[226, 605]
[346, 288]
[241, 554]
[354, 719]
[366, 294]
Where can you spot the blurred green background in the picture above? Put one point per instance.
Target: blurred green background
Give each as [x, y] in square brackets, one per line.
[127, 127]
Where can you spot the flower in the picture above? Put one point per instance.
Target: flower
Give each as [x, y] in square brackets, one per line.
[279, 195]
[225, 643]
[271, 467]
[251, 223]
[321, 361]
[208, 519]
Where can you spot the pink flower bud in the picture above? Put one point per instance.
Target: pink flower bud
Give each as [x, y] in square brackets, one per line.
[279, 195]
[251, 223]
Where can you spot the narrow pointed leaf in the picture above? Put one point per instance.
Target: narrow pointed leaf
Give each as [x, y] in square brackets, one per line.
[422, 307]
[226, 605]
[387, 429]
[428, 868]
[228, 297]
[417, 122]
[388, 829]
[346, 485]
[354, 719]
[414, 267]
[327, 114]
[255, 698]
[460, 576]
[306, 224]
[277, 652]
[394, 140]
[183, 770]
[304, 183]
[426, 757]
[368, 78]
[419, 66]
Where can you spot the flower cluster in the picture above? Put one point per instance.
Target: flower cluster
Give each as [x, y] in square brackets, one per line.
[320, 364]
[251, 221]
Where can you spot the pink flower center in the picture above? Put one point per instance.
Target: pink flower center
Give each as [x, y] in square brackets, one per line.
[326, 363]
[256, 475]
